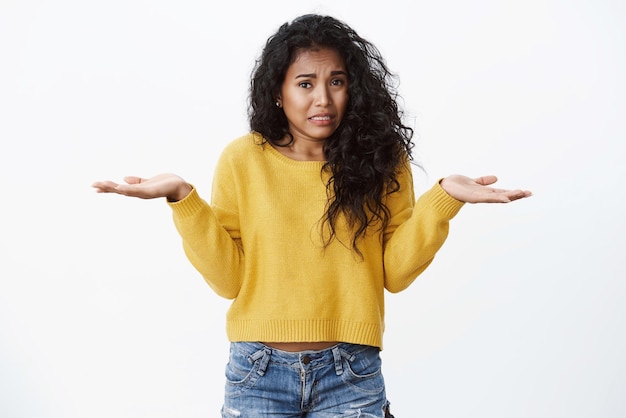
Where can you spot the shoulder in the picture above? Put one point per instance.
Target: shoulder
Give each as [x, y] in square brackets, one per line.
[404, 176]
[244, 146]
[241, 155]
[403, 194]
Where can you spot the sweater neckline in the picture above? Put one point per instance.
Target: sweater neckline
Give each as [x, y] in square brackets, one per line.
[317, 165]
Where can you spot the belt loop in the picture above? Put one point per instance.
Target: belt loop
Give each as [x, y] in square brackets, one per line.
[263, 355]
[338, 361]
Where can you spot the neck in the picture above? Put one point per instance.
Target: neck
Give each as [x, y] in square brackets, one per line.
[303, 150]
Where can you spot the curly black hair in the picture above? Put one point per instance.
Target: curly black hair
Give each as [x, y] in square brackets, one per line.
[371, 144]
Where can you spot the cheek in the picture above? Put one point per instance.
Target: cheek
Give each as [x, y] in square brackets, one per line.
[342, 103]
[295, 103]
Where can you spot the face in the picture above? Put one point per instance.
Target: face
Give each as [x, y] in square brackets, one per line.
[314, 94]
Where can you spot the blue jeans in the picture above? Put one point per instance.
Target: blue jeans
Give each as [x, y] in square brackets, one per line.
[341, 381]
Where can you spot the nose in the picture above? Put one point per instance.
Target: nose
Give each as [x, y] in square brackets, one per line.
[323, 97]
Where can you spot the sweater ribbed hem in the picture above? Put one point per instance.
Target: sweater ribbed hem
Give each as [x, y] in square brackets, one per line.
[188, 206]
[445, 204]
[311, 330]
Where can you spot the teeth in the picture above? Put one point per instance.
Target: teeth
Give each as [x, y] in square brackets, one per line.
[321, 118]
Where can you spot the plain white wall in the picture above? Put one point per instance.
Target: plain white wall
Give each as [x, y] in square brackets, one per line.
[521, 314]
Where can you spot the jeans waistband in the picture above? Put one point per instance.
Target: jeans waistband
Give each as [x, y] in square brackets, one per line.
[303, 359]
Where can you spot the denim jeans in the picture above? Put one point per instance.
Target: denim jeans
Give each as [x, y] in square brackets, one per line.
[341, 381]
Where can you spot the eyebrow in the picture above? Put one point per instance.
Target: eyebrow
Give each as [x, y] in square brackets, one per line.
[313, 75]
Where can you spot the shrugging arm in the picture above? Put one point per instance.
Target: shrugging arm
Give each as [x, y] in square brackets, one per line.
[416, 231]
[211, 234]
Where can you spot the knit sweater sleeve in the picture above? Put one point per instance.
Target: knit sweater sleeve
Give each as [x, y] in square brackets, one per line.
[211, 235]
[416, 232]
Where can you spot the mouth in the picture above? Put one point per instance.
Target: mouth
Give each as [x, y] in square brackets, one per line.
[322, 118]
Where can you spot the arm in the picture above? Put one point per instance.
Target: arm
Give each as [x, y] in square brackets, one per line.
[417, 233]
[211, 233]
[211, 248]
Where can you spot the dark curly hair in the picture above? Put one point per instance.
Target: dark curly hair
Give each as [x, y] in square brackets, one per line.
[371, 144]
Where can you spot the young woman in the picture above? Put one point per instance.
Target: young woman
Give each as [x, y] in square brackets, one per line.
[312, 217]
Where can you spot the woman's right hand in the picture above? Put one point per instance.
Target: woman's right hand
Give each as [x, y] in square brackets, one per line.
[170, 186]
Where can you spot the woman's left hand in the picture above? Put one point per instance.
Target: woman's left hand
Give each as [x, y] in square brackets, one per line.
[477, 190]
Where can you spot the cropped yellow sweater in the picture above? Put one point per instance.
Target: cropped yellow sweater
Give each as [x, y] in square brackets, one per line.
[259, 243]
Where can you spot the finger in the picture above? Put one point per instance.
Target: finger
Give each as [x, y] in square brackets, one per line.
[104, 186]
[142, 189]
[131, 189]
[492, 198]
[486, 180]
[519, 194]
[133, 180]
[507, 196]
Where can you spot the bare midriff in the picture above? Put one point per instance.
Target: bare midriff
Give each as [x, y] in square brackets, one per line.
[304, 346]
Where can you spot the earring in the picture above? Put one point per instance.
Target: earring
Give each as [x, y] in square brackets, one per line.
[278, 103]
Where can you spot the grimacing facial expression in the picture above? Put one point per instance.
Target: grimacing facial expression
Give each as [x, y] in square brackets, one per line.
[314, 94]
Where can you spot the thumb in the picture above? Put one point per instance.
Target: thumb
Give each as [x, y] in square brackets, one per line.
[486, 180]
[133, 179]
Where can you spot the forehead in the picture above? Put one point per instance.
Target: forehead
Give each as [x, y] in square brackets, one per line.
[317, 58]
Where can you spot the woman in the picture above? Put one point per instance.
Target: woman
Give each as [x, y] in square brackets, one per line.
[312, 217]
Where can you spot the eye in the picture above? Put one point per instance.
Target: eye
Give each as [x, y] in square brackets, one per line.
[338, 82]
[304, 85]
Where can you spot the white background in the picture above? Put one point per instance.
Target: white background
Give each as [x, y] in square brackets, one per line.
[522, 313]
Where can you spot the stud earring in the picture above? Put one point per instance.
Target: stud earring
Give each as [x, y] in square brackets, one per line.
[278, 103]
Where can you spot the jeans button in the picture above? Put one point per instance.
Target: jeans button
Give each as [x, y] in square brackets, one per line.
[306, 359]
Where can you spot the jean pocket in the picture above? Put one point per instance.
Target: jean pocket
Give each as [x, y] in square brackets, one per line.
[362, 370]
[244, 370]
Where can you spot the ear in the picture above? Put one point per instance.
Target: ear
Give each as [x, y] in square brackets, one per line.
[278, 103]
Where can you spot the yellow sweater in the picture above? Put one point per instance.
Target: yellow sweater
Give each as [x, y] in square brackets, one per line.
[259, 243]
